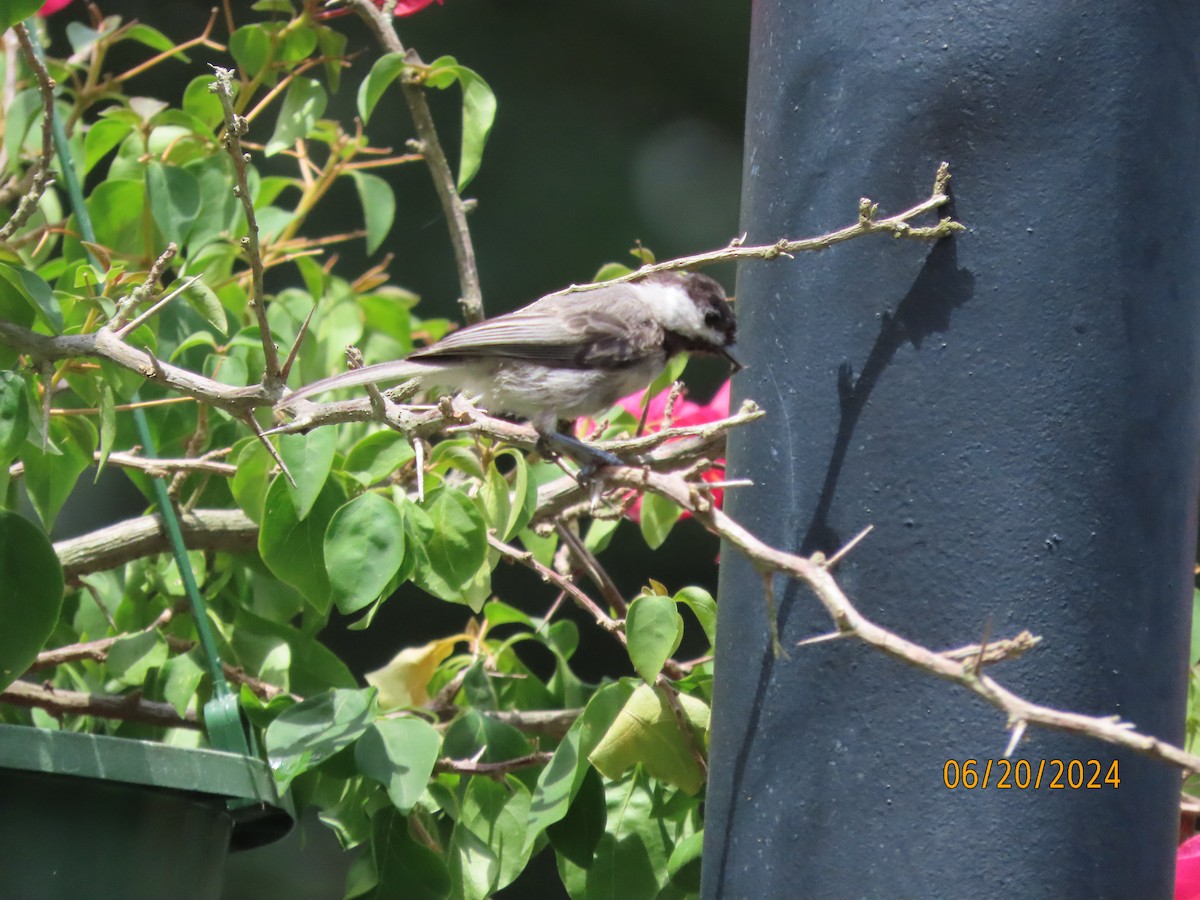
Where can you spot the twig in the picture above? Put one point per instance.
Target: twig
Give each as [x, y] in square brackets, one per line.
[867, 223]
[126, 329]
[42, 177]
[382, 27]
[472, 767]
[235, 127]
[141, 293]
[595, 571]
[156, 468]
[582, 600]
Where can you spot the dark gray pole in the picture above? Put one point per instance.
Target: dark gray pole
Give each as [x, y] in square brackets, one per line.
[1015, 410]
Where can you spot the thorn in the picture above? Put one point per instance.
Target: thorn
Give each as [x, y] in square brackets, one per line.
[253, 423]
[1018, 732]
[291, 357]
[854, 541]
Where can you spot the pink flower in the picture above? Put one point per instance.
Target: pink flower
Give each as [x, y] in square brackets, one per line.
[686, 414]
[1187, 870]
[50, 7]
[403, 8]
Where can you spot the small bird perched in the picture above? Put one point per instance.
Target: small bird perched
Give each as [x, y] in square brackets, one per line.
[569, 354]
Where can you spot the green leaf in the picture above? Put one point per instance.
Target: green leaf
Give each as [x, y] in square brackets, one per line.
[658, 517]
[102, 137]
[450, 539]
[116, 208]
[50, 477]
[647, 733]
[312, 731]
[182, 675]
[576, 835]
[479, 111]
[31, 594]
[132, 657]
[399, 754]
[309, 457]
[644, 825]
[14, 11]
[201, 103]
[35, 292]
[493, 817]
[684, 864]
[404, 868]
[204, 301]
[293, 548]
[379, 206]
[333, 48]
[14, 416]
[476, 736]
[251, 48]
[1195, 657]
[174, 199]
[250, 481]
[560, 781]
[654, 629]
[384, 71]
[107, 403]
[298, 42]
[302, 106]
[377, 456]
[508, 509]
[152, 38]
[704, 607]
[364, 548]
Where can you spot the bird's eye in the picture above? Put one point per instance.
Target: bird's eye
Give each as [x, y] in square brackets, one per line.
[712, 318]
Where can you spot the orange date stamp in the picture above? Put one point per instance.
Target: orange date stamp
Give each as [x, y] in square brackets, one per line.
[1031, 774]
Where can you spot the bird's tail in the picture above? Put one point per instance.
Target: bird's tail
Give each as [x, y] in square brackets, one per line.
[397, 370]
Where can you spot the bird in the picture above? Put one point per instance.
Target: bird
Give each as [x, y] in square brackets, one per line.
[569, 354]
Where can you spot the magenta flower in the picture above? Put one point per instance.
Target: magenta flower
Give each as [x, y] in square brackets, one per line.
[686, 413]
[50, 7]
[1187, 870]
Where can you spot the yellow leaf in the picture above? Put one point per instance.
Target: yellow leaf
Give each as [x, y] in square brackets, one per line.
[405, 680]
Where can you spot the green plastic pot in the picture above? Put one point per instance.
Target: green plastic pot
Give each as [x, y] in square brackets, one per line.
[90, 816]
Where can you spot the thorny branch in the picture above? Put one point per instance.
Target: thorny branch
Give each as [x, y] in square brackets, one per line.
[868, 223]
[963, 666]
[235, 127]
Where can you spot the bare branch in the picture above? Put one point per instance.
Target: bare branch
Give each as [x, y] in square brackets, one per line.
[106, 345]
[203, 529]
[582, 600]
[42, 177]
[141, 293]
[472, 767]
[235, 127]
[129, 707]
[430, 147]
[897, 226]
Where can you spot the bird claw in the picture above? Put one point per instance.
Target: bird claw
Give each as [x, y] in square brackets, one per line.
[590, 458]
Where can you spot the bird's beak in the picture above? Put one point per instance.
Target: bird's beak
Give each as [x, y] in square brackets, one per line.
[736, 363]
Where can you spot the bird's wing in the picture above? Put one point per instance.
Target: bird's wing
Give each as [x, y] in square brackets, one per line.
[605, 328]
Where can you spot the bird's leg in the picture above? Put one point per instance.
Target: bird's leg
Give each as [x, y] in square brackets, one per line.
[589, 458]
